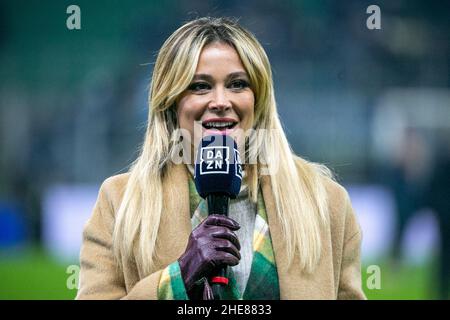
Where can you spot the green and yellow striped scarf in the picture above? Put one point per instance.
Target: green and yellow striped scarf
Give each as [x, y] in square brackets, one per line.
[263, 279]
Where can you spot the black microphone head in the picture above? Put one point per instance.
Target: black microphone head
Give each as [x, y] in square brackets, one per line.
[218, 168]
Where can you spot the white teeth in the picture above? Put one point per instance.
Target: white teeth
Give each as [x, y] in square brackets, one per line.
[218, 124]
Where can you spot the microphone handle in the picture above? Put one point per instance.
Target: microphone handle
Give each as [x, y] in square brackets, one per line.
[218, 204]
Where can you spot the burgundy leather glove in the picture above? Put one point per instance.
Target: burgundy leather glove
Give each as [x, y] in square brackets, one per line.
[212, 244]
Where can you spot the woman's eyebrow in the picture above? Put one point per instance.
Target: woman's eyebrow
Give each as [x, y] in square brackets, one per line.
[237, 75]
[203, 76]
[208, 77]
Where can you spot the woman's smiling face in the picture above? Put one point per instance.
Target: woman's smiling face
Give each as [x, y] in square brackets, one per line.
[219, 99]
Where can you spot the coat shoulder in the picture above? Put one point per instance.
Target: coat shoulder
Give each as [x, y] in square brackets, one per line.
[340, 211]
[113, 188]
[337, 196]
[343, 219]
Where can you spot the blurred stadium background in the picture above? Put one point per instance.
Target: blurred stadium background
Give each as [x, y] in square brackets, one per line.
[374, 105]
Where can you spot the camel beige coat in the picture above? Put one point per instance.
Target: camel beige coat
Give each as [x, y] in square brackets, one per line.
[336, 277]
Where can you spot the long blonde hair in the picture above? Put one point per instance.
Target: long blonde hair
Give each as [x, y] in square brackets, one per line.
[300, 202]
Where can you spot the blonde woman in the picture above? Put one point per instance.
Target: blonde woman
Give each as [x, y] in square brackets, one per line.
[290, 234]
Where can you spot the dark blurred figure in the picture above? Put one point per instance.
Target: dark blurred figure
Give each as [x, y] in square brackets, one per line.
[438, 198]
[408, 179]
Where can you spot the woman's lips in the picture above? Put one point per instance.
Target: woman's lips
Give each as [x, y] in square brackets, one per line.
[218, 130]
[225, 131]
[223, 119]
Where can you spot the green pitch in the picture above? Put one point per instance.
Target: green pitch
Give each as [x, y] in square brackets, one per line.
[33, 274]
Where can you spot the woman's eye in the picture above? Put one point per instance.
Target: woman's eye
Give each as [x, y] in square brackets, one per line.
[239, 84]
[199, 86]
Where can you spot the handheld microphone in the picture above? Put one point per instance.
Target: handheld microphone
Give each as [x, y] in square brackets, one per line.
[218, 178]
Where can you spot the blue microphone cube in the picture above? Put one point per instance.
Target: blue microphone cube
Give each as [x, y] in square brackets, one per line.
[218, 168]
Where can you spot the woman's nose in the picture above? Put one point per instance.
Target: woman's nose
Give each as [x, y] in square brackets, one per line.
[220, 101]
